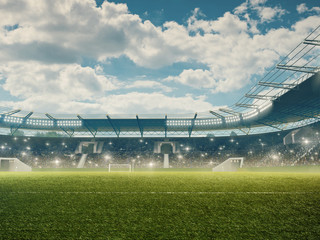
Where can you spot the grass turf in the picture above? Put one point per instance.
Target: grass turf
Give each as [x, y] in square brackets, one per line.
[159, 205]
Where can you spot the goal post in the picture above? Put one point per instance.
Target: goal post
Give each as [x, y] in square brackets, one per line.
[114, 167]
[229, 165]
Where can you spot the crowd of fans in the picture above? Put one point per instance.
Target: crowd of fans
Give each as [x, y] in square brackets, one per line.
[258, 150]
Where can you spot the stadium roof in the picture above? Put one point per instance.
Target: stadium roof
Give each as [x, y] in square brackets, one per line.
[287, 97]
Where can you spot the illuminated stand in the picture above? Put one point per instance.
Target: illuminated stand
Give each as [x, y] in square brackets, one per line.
[85, 148]
[165, 148]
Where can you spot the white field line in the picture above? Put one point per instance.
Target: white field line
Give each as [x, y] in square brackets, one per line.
[163, 193]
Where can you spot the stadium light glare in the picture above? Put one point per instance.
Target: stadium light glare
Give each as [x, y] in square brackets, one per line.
[306, 141]
[151, 164]
[107, 157]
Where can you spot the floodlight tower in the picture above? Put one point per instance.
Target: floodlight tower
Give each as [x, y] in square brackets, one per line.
[165, 147]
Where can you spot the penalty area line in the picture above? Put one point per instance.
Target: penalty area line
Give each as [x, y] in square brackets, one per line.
[164, 193]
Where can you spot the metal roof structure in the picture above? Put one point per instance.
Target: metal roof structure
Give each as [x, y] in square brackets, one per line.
[287, 97]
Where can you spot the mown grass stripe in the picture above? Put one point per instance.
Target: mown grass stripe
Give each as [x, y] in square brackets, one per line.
[254, 193]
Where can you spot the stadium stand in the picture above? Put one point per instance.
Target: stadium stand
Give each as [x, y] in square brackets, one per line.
[259, 150]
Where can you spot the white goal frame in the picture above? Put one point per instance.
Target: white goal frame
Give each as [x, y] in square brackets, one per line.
[15, 165]
[228, 165]
[119, 165]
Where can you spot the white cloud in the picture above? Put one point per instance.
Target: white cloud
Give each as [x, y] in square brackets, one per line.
[149, 85]
[268, 13]
[233, 60]
[257, 2]
[131, 103]
[265, 13]
[228, 24]
[195, 78]
[302, 8]
[40, 58]
[55, 81]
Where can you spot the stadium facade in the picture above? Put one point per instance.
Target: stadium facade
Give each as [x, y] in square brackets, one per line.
[287, 97]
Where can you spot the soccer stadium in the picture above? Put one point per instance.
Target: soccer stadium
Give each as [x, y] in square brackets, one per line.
[248, 170]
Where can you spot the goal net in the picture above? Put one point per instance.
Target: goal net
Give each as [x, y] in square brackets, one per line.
[230, 165]
[119, 167]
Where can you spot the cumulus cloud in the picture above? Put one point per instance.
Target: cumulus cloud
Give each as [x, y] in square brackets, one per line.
[195, 78]
[302, 8]
[234, 59]
[43, 45]
[131, 103]
[56, 81]
[268, 13]
[149, 85]
[265, 13]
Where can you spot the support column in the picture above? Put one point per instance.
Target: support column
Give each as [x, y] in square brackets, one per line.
[166, 161]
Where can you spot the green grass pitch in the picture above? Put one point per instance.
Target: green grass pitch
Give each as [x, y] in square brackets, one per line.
[159, 205]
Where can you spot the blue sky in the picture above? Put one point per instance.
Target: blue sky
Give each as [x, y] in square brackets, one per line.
[141, 56]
